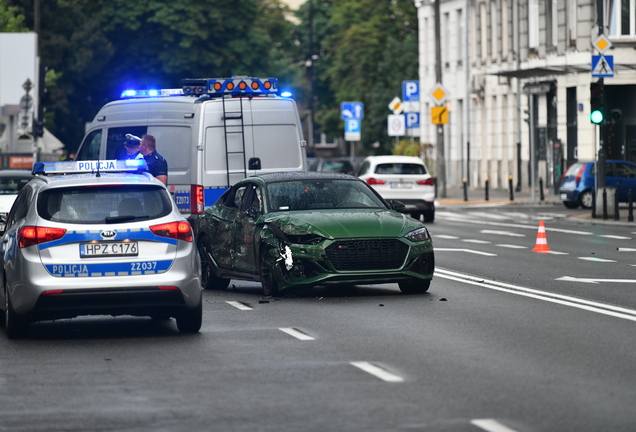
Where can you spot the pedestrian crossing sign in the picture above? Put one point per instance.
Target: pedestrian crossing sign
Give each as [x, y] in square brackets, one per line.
[603, 66]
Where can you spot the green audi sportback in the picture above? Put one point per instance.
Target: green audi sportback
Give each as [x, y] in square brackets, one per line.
[302, 229]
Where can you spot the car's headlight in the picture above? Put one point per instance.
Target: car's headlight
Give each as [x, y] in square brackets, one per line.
[418, 235]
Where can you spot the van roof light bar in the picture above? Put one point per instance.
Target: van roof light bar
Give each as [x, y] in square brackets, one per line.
[130, 94]
[237, 85]
[91, 166]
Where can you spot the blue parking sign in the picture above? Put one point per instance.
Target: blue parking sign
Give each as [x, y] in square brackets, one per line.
[412, 120]
[410, 91]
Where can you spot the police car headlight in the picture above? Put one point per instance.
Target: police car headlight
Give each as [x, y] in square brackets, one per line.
[418, 235]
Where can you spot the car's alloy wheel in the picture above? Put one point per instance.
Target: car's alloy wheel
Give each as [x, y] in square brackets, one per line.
[586, 199]
[270, 287]
[14, 325]
[415, 287]
[190, 321]
[208, 279]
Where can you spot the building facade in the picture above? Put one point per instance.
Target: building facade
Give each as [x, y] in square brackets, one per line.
[518, 75]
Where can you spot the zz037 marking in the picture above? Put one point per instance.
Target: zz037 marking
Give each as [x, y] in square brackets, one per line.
[143, 266]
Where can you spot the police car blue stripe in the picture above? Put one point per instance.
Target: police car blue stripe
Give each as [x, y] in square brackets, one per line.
[94, 235]
[110, 269]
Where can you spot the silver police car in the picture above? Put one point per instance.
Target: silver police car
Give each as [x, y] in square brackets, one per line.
[97, 238]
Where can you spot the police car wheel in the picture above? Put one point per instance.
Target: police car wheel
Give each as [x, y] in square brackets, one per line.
[190, 321]
[14, 325]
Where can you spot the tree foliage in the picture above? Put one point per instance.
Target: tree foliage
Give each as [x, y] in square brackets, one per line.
[11, 21]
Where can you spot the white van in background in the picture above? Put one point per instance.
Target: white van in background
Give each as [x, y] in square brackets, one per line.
[212, 133]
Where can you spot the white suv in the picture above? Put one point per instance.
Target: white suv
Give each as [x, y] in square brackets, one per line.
[402, 178]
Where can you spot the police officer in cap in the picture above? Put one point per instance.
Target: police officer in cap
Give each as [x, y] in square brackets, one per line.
[157, 165]
[132, 147]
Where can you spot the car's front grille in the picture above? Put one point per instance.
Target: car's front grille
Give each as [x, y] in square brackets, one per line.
[377, 254]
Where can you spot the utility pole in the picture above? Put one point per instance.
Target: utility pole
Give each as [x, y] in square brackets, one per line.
[600, 169]
[441, 160]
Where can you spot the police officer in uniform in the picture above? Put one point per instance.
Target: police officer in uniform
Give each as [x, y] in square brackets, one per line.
[157, 165]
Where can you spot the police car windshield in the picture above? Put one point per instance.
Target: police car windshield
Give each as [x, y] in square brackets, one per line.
[104, 204]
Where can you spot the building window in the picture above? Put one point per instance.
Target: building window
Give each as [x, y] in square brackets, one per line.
[460, 37]
[483, 30]
[571, 10]
[621, 18]
[551, 23]
[505, 32]
[493, 29]
[533, 25]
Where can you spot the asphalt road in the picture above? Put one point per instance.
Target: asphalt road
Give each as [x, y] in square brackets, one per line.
[497, 344]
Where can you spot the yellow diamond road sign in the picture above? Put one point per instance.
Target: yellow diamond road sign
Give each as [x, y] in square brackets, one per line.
[439, 93]
[602, 43]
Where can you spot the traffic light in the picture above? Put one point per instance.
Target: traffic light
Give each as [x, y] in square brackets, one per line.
[38, 128]
[597, 102]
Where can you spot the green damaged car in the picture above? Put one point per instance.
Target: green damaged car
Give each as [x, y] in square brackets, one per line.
[301, 229]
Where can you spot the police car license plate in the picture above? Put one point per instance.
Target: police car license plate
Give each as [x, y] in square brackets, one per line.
[401, 185]
[90, 250]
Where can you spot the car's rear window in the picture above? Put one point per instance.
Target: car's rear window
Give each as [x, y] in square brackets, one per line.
[12, 185]
[104, 204]
[574, 170]
[400, 168]
[317, 194]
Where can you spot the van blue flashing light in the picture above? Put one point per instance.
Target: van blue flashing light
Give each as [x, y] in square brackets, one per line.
[128, 94]
[233, 85]
[102, 166]
[286, 94]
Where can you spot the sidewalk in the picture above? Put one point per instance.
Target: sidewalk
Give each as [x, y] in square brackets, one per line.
[476, 196]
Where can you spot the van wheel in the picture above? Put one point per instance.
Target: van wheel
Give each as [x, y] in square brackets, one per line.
[15, 326]
[208, 279]
[190, 321]
[429, 216]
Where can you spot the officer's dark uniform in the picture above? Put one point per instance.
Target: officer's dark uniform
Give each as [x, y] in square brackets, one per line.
[157, 165]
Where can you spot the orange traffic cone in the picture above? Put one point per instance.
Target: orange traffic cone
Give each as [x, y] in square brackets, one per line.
[542, 241]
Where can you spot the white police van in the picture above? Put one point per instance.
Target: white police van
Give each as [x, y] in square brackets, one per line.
[212, 132]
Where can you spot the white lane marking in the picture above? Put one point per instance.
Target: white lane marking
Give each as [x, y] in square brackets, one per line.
[488, 215]
[626, 249]
[238, 305]
[511, 246]
[504, 233]
[593, 280]
[476, 241]
[615, 237]
[595, 259]
[464, 250]
[295, 333]
[444, 236]
[558, 253]
[454, 217]
[491, 425]
[600, 308]
[377, 372]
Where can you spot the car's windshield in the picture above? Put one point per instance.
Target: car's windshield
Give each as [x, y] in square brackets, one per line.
[321, 194]
[103, 204]
[12, 185]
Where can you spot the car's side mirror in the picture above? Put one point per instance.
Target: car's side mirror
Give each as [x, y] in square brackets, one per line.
[397, 205]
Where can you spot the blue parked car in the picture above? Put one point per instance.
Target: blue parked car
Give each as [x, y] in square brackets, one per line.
[577, 185]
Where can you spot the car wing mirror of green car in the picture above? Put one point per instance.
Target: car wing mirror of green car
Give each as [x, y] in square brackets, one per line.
[397, 205]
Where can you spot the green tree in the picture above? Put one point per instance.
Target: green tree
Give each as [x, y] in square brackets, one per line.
[98, 48]
[11, 21]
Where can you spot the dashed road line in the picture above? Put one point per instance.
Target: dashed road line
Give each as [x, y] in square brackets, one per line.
[377, 372]
[464, 250]
[239, 305]
[444, 236]
[491, 425]
[504, 233]
[615, 237]
[511, 246]
[296, 333]
[476, 241]
[595, 259]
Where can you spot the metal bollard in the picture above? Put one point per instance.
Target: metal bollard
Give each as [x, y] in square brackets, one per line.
[541, 195]
[487, 188]
[512, 194]
[465, 189]
[605, 204]
[630, 204]
[617, 215]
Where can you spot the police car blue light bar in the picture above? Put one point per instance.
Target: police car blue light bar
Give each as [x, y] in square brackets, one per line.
[150, 93]
[87, 167]
[233, 85]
